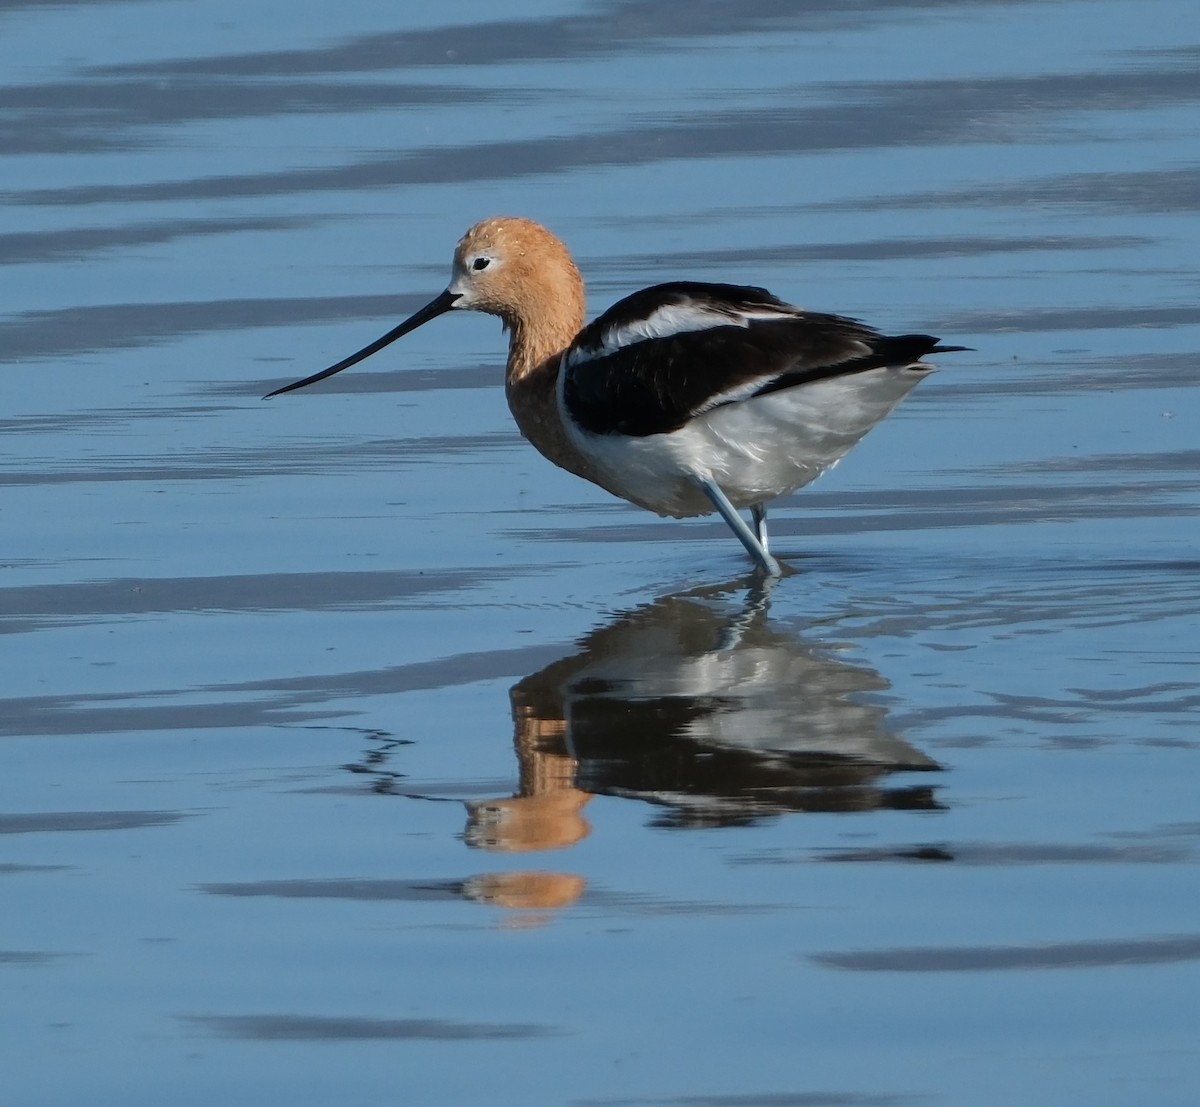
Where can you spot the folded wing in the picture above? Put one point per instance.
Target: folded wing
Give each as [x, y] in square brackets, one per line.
[657, 359]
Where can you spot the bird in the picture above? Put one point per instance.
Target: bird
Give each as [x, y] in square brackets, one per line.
[685, 398]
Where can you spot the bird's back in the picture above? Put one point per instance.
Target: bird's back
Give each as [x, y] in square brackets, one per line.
[729, 380]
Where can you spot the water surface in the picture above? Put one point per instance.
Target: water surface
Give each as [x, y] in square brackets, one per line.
[350, 752]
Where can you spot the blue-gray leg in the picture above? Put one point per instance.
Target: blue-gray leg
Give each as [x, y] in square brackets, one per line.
[758, 512]
[754, 547]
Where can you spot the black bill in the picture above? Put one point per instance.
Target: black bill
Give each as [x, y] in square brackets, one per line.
[430, 311]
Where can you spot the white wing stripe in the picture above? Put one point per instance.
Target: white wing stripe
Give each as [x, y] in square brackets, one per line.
[664, 322]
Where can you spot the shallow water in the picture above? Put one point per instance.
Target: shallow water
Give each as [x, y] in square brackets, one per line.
[353, 753]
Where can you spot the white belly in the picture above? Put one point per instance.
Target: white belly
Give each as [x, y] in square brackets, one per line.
[755, 449]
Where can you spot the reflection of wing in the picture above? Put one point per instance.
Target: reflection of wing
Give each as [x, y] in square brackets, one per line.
[668, 705]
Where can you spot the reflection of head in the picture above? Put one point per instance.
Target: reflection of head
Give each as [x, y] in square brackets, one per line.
[525, 890]
[547, 820]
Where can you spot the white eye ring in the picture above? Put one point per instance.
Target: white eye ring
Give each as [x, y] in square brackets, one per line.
[481, 263]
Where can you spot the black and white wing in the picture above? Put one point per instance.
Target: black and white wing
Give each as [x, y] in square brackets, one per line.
[657, 359]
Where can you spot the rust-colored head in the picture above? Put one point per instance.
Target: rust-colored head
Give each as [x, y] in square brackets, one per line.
[518, 270]
[513, 268]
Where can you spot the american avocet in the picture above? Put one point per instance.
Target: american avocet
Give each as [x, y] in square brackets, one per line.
[684, 398]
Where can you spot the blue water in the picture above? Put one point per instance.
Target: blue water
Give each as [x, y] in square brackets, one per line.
[351, 753]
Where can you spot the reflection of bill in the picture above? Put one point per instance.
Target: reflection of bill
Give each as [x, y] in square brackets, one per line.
[704, 709]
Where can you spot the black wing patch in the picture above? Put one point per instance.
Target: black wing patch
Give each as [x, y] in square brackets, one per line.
[657, 385]
[898, 350]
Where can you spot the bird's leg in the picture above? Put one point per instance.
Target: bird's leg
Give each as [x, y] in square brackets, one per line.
[737, 524]
[758, 512]
[758, 599]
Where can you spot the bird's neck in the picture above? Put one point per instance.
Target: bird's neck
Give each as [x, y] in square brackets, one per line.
[550, 315]
[531, 381]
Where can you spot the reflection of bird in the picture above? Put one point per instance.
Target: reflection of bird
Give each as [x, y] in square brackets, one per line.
[703, 709]
[684, 398]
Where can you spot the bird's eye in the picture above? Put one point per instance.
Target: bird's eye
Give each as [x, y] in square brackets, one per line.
[481, 263]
